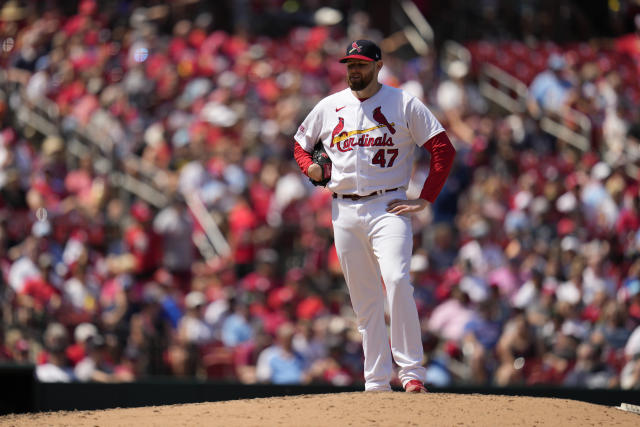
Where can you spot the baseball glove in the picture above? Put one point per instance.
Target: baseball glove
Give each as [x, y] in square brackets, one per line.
[320, 157]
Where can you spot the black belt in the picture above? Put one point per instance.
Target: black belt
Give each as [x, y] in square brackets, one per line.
[358, 197]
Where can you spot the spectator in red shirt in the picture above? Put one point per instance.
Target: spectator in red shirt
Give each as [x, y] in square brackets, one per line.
[142, 241]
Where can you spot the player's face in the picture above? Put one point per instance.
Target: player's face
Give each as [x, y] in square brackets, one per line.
[360, 74]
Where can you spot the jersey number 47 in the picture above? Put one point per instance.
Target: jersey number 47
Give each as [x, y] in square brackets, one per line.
[380, 158]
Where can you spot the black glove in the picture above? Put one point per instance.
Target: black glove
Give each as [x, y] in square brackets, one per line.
[320, 157]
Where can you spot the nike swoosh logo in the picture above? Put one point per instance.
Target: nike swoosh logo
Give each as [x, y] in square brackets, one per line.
[338, 109]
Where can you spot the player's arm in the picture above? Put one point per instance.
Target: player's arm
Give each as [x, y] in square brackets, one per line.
[442, 156]
[305, 139]
[305, 162]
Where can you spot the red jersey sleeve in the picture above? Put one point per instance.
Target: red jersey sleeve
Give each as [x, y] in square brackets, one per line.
[442, 155]
[302, 157]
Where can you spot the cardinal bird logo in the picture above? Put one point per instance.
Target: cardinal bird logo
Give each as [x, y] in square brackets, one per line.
[380, 118]
[337, 130]
[354, 46]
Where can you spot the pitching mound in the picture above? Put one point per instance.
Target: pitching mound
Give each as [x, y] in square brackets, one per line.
[344, 409]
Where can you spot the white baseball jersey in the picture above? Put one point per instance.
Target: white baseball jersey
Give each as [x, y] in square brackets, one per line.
[370, 143]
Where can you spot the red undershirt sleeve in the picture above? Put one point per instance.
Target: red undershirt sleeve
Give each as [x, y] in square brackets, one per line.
[302, 157]
[442, 155]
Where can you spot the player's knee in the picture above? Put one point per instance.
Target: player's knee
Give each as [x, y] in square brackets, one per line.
[366, 312]
[397, 282]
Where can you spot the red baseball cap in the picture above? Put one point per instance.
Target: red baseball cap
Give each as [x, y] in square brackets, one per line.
[365, 50]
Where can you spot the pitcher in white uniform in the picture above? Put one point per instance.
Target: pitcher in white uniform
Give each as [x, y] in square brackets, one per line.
[370, 132]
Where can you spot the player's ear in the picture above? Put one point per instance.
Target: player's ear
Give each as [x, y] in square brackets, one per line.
[379, 64]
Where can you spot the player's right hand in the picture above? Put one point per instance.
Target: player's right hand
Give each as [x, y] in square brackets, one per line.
[315, 172]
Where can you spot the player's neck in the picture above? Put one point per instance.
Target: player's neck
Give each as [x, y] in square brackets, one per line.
[368, 91]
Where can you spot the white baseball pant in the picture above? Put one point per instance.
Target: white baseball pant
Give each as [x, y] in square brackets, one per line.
[372, 243]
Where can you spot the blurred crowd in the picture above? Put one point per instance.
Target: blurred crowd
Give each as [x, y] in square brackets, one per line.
[526, 269]
[528, 20]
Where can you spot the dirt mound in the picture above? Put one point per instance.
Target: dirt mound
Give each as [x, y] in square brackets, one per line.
[355, 409]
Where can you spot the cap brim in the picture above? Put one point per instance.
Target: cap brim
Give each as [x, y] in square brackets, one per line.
[360, 57]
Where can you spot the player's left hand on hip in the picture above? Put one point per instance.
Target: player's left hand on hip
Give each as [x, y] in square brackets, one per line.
[400, 207]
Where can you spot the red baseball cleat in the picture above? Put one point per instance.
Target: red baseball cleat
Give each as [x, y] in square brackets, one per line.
[415, 386]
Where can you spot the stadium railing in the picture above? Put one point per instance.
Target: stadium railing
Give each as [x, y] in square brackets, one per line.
[511, 94]
[147, 184]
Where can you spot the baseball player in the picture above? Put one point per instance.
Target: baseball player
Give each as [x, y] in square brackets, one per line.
[369, 132]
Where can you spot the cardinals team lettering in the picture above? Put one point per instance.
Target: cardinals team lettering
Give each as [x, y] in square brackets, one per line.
[347, 144]
[345, 141]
